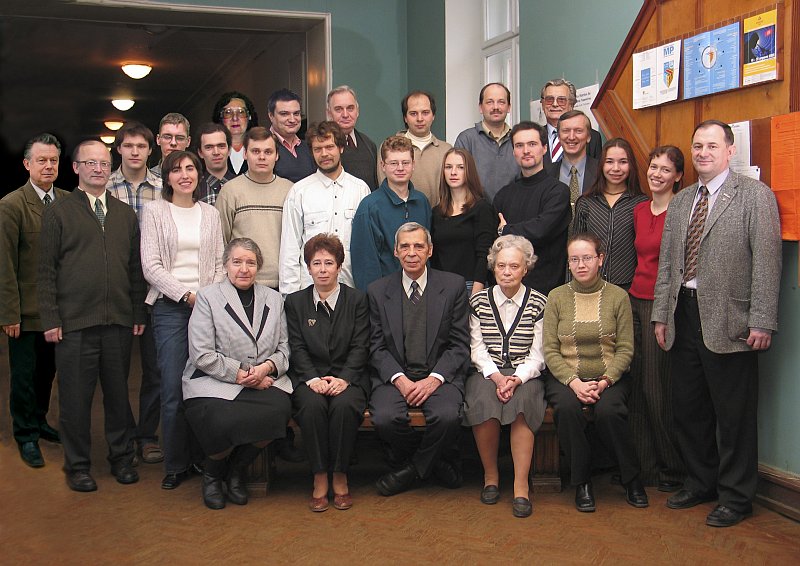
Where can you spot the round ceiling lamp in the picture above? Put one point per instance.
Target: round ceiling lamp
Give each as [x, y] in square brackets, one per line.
[107, 139]
[123, 104]
[136, 70]
[113, 125]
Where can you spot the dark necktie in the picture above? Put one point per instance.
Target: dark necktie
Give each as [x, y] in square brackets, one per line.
[695, 232]
[574, 187]
[98, 210]
[47, 199]
[325, 308]
[415, 296]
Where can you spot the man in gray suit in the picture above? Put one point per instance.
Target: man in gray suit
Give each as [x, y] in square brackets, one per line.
[716, 301]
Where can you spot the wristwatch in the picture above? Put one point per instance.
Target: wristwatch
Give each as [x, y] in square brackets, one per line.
[185, 298]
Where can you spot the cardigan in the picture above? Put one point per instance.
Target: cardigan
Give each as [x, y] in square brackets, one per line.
[461, 243]
[588, 332]
[160, 244]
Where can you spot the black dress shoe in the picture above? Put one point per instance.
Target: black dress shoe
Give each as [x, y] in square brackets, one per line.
[685, 499]
[521, 507]
[397, 481]
[635, 494]
[723, 516]
[490, 495]
[447, 474]
[48, 433]
[31, 455]
[584, 498]
[171, 481]
[125, 473]
[669, 486]
[213, 496]
[81, 480]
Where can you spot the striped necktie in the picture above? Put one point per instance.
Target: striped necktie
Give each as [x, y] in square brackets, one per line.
[555, 147]
[415, 296]
[695, 232]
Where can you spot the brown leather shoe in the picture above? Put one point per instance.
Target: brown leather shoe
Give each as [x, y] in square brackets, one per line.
[343, 502]
[318, 504]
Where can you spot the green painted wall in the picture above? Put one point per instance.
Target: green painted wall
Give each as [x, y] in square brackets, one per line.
[426, 58]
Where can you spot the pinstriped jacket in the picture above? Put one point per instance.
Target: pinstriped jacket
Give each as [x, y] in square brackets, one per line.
[221, 337]
[739, 264]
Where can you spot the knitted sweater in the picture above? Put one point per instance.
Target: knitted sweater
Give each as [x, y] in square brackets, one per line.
[588, 332]
[254, 210]
[90, 275]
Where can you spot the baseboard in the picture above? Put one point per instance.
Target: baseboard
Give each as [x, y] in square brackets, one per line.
[779, 490]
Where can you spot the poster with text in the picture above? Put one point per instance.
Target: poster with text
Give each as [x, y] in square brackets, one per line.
[668, 69]
[711, 61]
[760, 63]
[644, 78]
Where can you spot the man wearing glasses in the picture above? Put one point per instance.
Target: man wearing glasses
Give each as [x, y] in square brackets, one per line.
[559, 96]
[173, 135]
[382, 212]
[91, 301]
[294, 157]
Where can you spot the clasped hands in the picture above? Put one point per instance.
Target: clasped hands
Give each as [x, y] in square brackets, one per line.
[588, 392]
[416, 392]
[506, 385]
[257, 377]
[328, 385]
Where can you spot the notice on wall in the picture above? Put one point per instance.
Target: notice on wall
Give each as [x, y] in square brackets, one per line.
[586, 96]
[668, 65]
[785, 171]
[740, 162]
[644, 78]
[711, 62]
[760, 35]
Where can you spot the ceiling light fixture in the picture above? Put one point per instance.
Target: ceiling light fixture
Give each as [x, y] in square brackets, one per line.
[123, 104]
[107, 139]
[136, 70]
[113, 125]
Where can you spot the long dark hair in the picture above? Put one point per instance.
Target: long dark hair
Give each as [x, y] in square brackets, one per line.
[471, 180]
[631, 183]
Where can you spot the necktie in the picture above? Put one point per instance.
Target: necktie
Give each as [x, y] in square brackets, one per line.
[325, 308]
[98, 211]
[555, 147]
[696, 225]
[47, 199]
[416, 296]
[349, 141]
[574, 188]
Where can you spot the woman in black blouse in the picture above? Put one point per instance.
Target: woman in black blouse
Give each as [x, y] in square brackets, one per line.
[606, 211]
[463, 224]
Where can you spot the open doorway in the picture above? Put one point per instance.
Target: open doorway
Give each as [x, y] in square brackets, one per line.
[60, 66]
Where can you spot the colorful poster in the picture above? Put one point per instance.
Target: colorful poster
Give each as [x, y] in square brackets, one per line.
[644, 78]
[760, 35]
[785, 165]
[668, 66]
[711, 62]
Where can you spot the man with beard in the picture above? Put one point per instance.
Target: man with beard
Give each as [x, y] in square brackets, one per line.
[324, 202]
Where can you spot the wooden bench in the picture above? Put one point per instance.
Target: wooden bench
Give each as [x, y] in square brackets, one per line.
[545, 468]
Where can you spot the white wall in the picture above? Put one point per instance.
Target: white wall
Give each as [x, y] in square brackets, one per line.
[464, 74]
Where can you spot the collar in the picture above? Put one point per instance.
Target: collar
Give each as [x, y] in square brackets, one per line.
[327, 181]
[488, 132]
[413, 194]
[41, 192]
[500, 298]
[716, 183]
[150, 178]
[419, 142]
[92, 199]
[352, 137]
[566, 164]
[331, 300]
[283, 139]
[422, 281]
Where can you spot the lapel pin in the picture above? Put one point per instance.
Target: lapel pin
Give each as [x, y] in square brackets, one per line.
[312, 321]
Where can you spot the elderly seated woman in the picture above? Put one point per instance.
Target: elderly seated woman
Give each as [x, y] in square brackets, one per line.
[329, 339]
[235, 386]
[506, 342]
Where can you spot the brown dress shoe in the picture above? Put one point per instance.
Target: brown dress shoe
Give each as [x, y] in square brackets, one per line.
[343, 502]
[318, 504]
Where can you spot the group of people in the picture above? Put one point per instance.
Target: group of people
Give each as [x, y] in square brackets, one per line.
[269, 277]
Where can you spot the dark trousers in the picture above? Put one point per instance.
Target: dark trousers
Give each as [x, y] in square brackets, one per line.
[329, 425]
[442, 411]
[715, 400]
[150, 389]
[33, 367]
[650, 402]
[610, 421]
[82, 357]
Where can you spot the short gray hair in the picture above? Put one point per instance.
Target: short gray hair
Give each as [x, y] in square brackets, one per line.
[511, 241]
[245, 244]
[412, 227]
[573, 94]
[340, 90]
[43, 138]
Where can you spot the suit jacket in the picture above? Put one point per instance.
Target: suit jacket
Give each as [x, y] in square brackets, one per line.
[589, 172]
[160, 244]
[739, 263]
[20, 224]
[447, 327]
[221, 337]
[593, 149]
[339, 348]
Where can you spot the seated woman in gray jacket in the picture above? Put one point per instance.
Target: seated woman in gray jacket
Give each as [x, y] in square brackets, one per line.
[235, 386]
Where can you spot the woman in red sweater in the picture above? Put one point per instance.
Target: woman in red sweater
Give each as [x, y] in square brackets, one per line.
[650, 403]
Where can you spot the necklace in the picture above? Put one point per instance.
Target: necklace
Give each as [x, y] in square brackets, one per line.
[617, 193]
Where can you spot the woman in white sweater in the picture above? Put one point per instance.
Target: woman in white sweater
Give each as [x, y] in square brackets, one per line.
[181, 252]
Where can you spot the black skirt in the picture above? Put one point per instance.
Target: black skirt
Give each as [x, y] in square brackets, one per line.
[255, 415]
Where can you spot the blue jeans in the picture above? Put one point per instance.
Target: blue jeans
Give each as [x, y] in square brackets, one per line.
[171, 333]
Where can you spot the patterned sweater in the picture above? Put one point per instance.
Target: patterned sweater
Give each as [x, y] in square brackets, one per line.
[588, 332]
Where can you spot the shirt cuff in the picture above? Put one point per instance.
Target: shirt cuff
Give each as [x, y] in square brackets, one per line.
[312, 380]
[489, 369]
[437, 376]
[395, 376]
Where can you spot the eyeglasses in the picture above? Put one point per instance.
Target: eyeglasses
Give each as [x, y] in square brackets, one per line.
[560, 100]
[586, 259]
[169, 137]
[91, 164]
[231, 113]
[396, 164]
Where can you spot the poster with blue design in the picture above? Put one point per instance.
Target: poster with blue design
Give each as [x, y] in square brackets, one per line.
[711, 62]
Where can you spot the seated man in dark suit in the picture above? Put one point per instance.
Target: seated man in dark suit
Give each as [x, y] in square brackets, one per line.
[419, 350]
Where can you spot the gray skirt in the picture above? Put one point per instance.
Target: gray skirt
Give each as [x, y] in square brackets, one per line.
[481, 402]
